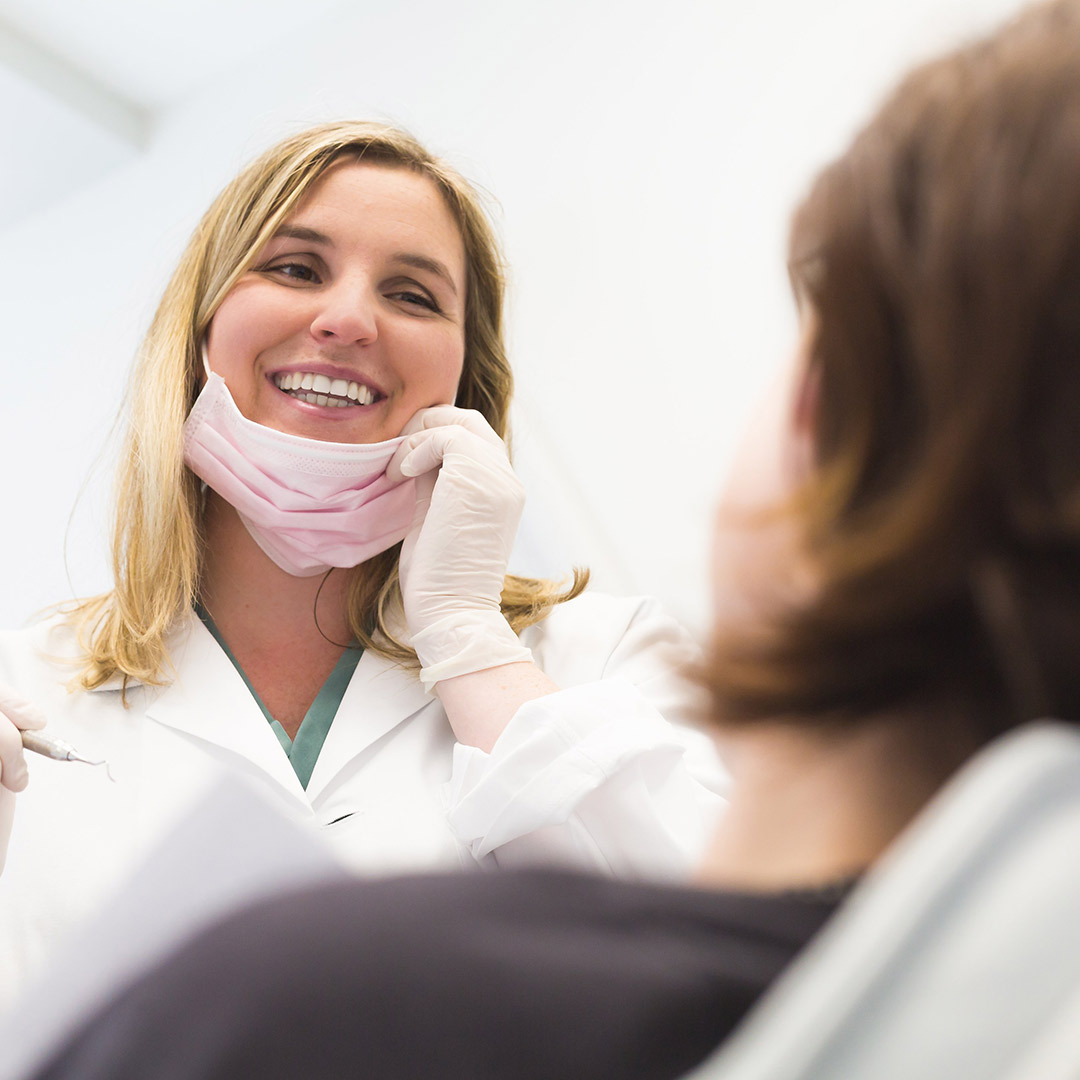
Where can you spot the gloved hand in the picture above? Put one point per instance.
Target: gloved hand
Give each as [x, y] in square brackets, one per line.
[454, 558]
[16, 715]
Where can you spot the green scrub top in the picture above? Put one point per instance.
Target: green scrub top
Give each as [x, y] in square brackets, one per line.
[302, 751]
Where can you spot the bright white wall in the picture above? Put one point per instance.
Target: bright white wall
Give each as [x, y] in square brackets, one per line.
[645, 158]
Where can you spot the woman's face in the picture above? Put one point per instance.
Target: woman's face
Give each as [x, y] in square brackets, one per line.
[353, 315]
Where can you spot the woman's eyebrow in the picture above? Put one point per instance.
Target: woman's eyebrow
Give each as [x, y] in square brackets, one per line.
[425, 262]
[301, 232]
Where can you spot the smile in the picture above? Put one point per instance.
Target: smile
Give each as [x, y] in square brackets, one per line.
[322, 390]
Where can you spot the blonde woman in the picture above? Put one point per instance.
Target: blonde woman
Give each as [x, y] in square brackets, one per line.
[315, 512]
[921, 474]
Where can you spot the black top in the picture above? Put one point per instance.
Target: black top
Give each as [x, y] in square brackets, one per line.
[511, 975]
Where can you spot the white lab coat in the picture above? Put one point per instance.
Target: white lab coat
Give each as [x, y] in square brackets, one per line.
[591, 776]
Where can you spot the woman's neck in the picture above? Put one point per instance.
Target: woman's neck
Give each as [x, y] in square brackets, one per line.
[252, 600]
[809, 808]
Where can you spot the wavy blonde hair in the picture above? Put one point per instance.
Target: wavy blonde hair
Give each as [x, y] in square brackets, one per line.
[157, 536]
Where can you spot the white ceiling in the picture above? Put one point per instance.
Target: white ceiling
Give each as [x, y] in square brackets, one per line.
[81, 84]
[155, 52]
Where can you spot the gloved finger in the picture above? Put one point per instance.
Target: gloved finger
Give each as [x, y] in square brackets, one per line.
[450, 415]
[425, 486]
[426, 420]
[393, 469]
[14, 775]
[426, 450]
[22, 713]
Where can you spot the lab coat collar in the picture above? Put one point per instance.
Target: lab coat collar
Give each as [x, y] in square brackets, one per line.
[207, 699]
[380, 695]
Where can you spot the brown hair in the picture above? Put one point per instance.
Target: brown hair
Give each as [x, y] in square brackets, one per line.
[941, 258]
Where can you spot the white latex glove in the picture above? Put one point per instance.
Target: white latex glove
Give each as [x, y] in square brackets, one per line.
[16, 715]
[454, 558]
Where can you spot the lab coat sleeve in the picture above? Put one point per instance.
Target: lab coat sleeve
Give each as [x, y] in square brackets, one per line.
[606, 774]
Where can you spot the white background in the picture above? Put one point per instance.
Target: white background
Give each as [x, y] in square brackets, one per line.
[645, 158]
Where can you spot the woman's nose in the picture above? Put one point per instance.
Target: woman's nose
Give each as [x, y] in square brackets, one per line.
[346, 315]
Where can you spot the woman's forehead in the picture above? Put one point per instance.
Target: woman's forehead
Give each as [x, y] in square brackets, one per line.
[362, 202]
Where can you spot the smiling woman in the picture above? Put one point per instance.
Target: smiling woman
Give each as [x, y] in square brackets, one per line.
[365, 284]
[315, 514]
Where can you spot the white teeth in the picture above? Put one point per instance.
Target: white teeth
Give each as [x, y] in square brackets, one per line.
[337, 393]
[359, 393]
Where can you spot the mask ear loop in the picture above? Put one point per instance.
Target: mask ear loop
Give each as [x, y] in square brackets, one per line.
[315, 614]
[203, 487]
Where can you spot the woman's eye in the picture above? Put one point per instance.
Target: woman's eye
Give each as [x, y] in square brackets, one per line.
[297, 271]
[419, 299]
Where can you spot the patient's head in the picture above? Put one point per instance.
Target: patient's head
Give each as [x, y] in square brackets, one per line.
[932, 470]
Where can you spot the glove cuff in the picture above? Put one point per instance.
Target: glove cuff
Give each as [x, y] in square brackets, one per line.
[452, 647]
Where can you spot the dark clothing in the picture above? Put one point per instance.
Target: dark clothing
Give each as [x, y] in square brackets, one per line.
[515, 975]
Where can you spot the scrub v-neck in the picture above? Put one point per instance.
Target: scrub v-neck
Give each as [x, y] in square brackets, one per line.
[303, 750]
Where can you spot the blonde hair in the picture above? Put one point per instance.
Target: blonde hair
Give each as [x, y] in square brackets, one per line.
[157, 536]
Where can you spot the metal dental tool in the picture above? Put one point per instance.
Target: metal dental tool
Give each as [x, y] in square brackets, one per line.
[51, 747]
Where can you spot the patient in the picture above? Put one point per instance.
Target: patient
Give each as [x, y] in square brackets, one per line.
[897, 582]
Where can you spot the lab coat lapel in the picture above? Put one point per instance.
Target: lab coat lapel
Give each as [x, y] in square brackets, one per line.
[380, 695]
[208, 700]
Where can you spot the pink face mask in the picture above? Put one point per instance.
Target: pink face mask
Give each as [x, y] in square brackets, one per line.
[309, 505]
